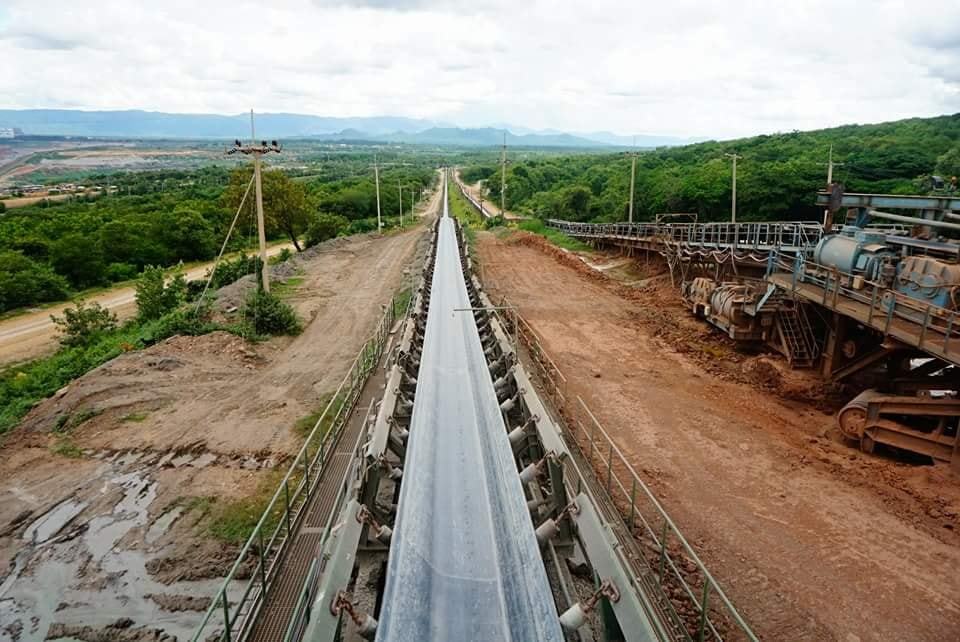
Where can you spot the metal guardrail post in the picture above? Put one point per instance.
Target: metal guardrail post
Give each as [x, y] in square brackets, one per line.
[663, 552]
[703, 610]
[286, 503]
[263, 568]
[306, 472]
[226, 614]
[610, 468]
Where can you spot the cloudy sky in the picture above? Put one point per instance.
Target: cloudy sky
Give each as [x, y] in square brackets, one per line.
[678, 67]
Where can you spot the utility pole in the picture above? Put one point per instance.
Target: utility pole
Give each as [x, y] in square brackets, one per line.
[633, 175]
[257, 151]
[827, 216]
[503, 177]
[733, 198]
[830, 165]
[400, 191]
[376, 177]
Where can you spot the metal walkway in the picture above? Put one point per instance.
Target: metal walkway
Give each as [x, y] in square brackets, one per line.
[464, 562]
[789, 238]
[280, 602]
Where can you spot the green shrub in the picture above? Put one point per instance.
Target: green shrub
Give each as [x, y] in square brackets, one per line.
[84, 324]
[121, 272]
[325, 227]
[493, 221]
[229, 271]
[267, 314]
[185, 320]
[155, 297]
[285, 255]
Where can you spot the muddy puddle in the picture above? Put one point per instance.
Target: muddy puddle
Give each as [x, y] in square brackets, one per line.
[83, 563]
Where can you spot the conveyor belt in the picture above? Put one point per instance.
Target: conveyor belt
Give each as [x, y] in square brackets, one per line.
[464, 563]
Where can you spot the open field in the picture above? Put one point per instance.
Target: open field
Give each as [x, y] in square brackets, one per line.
[812, 539]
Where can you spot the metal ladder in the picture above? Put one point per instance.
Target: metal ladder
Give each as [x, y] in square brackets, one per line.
[797, 335]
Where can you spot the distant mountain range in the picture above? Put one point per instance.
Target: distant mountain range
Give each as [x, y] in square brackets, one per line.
[395, 129]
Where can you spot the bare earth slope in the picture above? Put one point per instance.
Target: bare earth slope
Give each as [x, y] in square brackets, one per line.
[813, 540]
[166, 433]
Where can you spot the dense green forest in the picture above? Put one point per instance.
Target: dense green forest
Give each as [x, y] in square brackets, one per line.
[777, 177]
[51, 249]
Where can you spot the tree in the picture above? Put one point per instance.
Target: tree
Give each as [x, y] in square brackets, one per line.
[324, 227]
[24, 281]
[948, 164]
[284, 201]
[79, 258]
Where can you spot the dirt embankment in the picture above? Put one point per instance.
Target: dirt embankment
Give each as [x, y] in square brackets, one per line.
[812, 539]
[109, 486]
[663, 312]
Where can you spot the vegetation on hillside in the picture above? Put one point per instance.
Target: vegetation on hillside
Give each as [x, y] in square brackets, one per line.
[777, 177]
[51, 249]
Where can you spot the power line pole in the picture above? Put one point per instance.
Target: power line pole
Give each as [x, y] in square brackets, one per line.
[400, 191]
[733, 198]
[257, 151]
[830, 165]
[376, 177]
[633, 175]
[503, 177]
[827, 217]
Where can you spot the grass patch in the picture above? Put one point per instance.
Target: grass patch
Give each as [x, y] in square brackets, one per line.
[288, 286]
[201, 505]
[463, 211]
[135, 417]
[402, 301]
[558, 238]
[65, 447]
[306, 423]
[233, 521]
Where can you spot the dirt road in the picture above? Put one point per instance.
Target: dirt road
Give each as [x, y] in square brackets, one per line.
[33, 334]
[812, 539]
[155, 442]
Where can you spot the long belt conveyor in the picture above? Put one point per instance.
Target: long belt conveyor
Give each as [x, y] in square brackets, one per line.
[467, 517]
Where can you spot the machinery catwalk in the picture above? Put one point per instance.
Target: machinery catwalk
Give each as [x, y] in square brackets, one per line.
[464, 563]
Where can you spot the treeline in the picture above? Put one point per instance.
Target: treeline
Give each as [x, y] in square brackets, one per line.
[51, 249]
[777, 177]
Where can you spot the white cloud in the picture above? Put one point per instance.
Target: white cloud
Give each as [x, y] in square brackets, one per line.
[682, 67]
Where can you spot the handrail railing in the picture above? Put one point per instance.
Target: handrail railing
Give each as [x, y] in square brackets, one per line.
[478, 205]
[935, 325]
[237, 603]
[796, 236]
[301, 611]
[663, 545]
